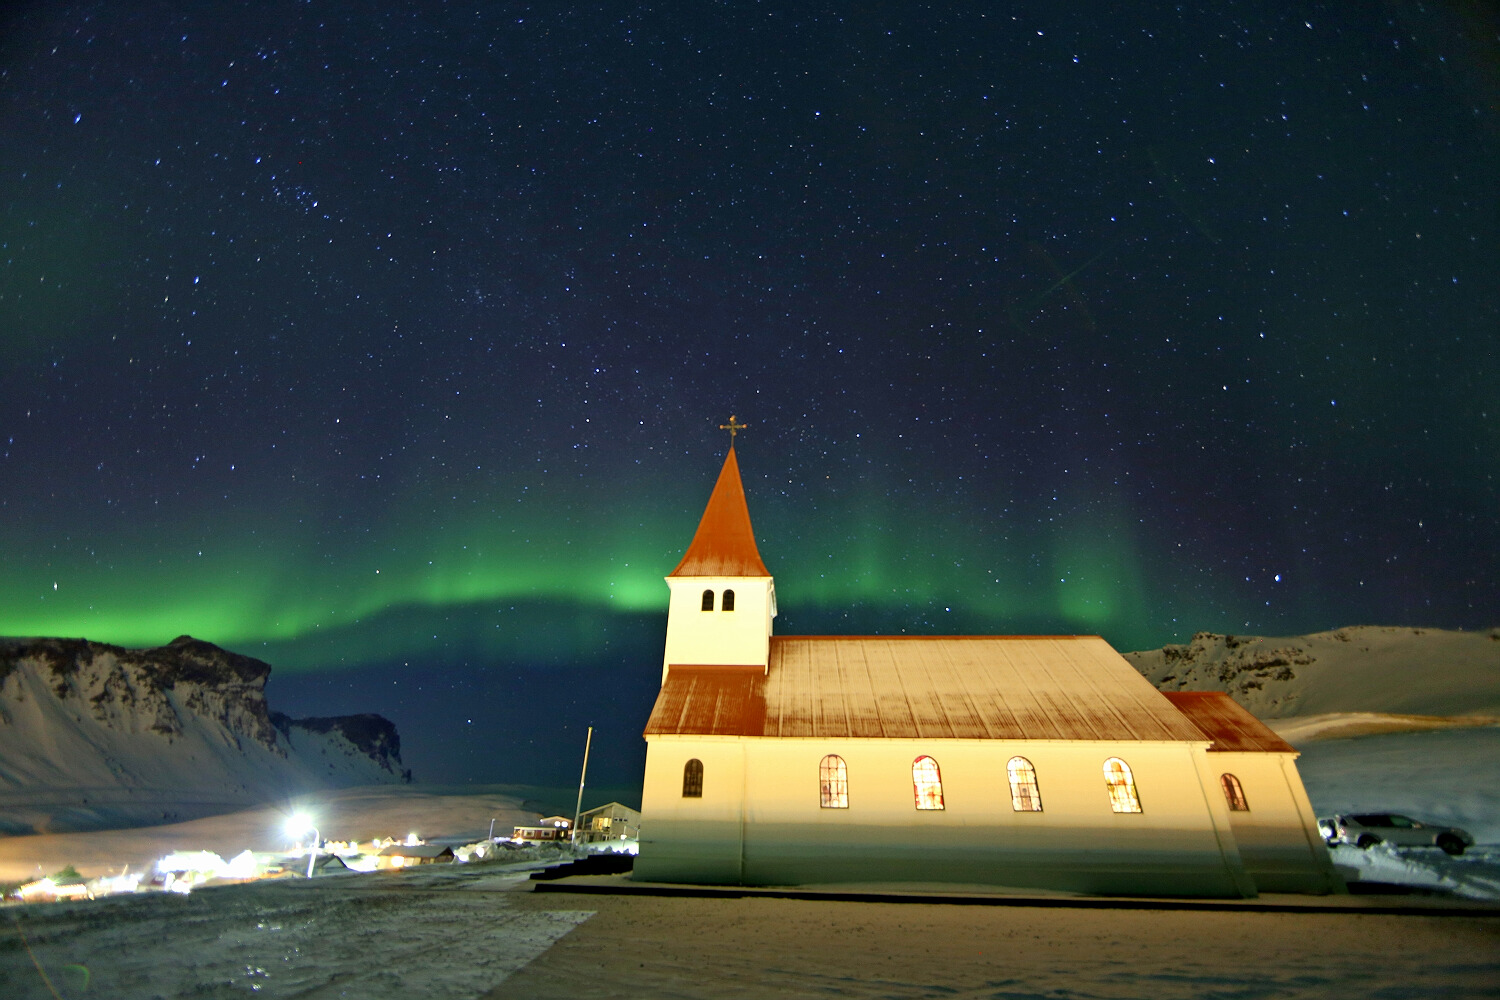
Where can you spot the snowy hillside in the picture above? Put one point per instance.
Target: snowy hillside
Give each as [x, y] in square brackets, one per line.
[94, 736]
[1408, 671]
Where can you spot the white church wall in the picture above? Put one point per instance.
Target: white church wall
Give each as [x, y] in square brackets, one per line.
[692, 839]
[737, 637]
[1277, 836]
[782, 835]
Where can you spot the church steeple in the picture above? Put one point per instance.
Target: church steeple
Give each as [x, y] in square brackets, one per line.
[723, 598]
[724, 544]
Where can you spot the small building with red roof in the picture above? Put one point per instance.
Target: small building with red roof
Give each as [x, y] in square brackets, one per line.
[1018, 762]
[1269, 812]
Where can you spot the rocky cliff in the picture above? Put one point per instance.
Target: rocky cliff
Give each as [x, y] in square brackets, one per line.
[94, 736]
[1362, 668]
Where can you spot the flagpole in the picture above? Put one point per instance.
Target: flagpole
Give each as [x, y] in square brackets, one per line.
[578, 809]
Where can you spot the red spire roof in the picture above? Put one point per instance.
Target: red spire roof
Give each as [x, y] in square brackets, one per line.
[724, 544]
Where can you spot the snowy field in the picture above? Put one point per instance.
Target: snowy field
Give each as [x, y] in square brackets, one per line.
[1449, 776]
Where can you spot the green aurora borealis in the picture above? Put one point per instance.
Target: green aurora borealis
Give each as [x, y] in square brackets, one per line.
[479, 579]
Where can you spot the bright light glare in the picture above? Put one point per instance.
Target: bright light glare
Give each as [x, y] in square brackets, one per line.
[299, 824]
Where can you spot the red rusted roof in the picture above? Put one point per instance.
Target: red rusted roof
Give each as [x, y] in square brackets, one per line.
[724, 544]
[924, 687]
[705, 701]
[1227, 723]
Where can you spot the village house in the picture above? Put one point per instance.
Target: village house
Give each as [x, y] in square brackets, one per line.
[611, 821]
[1032, 762]
[410, 855]
[54, 888]
[547, 830]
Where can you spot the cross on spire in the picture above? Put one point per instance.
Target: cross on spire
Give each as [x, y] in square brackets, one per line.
[733, 427]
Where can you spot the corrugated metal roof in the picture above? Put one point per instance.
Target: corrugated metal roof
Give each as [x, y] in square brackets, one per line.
[724, 544]
[707, 702]
[924, 687]
[1227, 723]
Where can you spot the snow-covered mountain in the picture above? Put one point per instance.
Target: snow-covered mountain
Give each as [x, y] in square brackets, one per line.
[1361, 669]
[94, 736]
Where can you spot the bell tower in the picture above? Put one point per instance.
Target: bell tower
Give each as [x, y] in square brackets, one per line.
[722, 596]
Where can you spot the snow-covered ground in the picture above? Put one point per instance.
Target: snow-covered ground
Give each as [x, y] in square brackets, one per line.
[1448, 776]
[473, 933]
[440, 933]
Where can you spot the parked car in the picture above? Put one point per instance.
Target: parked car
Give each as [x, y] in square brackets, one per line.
[1368, 829]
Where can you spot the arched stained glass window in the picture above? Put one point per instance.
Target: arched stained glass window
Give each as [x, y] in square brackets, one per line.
[927, 783]
[728, 603]
[1117, 778]
[1024, 794]
[692, 779]
[833, 783]
[1233, 793]
[708, 600]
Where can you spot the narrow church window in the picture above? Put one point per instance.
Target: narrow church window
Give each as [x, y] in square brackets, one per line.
[927, 783]
[833, 780]
[692, 779]
[1117, 778]
[708, 600]
[1024, 794]
[1234, 793]
[728, 603]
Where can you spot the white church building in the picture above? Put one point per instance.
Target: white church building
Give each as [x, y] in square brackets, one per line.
[1024, 762]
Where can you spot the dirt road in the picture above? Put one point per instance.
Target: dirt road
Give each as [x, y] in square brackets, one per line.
[643, 946]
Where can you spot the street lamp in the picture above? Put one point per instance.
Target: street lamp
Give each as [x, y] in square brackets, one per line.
[297, 826]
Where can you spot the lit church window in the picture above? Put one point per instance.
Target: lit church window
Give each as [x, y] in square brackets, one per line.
[927, 783]
[1024, 794]
[1117, 778]
[833, 780]
[728, 603]
[1234, 793]
[692, 779]
[708, 600]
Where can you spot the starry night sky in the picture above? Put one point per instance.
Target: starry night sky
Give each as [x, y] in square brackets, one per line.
[389, 342]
